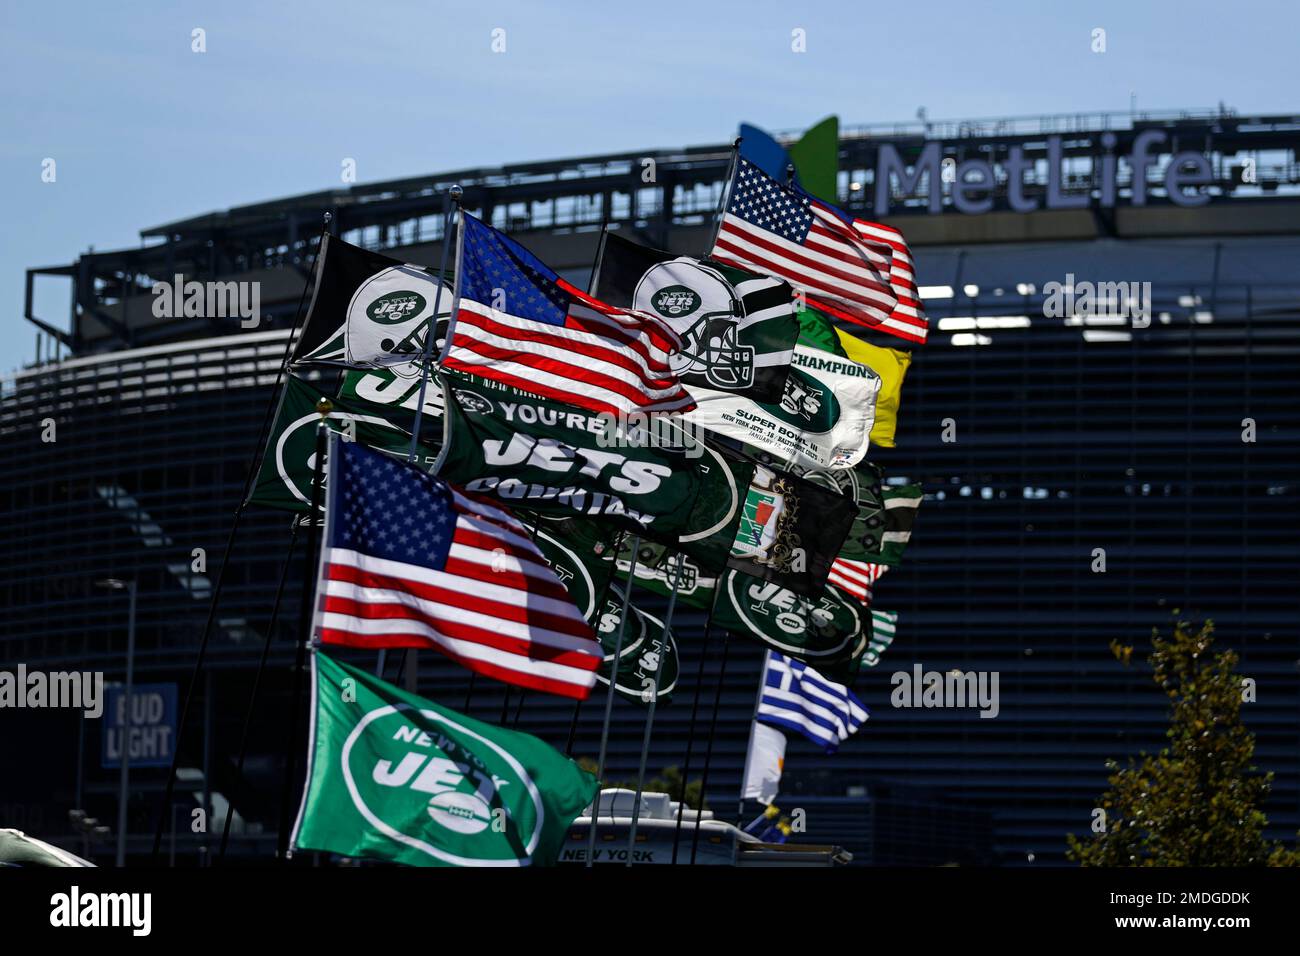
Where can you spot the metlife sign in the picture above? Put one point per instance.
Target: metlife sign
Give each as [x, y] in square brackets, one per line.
[152, 727]
[973, 181]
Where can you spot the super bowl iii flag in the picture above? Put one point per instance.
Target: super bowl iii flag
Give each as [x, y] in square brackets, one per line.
[823, 418]
[519, 323]
[368, 310]
[392, 776]
[409, 561]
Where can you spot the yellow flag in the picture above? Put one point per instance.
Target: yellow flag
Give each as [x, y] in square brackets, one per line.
[891, 365]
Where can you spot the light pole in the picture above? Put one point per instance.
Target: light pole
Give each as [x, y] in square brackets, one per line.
[124, 777]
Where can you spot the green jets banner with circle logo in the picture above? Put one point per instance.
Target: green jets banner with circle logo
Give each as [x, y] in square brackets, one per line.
[817, 630]
[823, 418]
[289, 461]
[537, 455]
[392, 776]
[647, 662]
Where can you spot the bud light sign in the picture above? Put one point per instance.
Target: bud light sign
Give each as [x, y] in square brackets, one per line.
[152, 728]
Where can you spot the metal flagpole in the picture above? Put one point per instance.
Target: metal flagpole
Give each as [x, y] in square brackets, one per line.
[451, 203]
[257, 683]
[708, 751]
[305, 616]
[695, 709]
[609, 697]
[650, 711]
[276, 395]
[744, 774]
[726, 192]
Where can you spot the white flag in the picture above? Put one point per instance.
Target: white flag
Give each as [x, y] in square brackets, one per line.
[764, 764]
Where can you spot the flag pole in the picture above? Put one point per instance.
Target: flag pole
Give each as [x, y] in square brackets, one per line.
[695, 709]
[257, 683]
[164, 810]
[744, 774]
[708, 750]
[450, 204]
[609, 697]
[577, 704]
[723, 196]
[650, 711]
[323, 409]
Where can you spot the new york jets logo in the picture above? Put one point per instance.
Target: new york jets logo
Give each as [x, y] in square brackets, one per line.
[393, 308]
[806, 403]
[821, 628]
[474, 402]
[675, 301]
[402, 764]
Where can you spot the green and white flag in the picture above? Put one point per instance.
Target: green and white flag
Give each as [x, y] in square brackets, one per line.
[368, 310]
[392, 776]
[392, 389]
[900, 505]
[884, 627]
[656, 568]
[578, 551]
[289, 462]
[827, 628]
[823, 418]
[647, 662]
[738, 329]
[554, 459]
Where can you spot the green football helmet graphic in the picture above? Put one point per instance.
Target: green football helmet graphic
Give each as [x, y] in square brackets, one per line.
[703, 308]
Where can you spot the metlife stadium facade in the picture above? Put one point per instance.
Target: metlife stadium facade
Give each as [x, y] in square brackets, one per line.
[1114, 305]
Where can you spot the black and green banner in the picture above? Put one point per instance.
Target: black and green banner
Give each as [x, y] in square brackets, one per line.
[791, 531]
[818, 630]
[537, 455]
[288, 463]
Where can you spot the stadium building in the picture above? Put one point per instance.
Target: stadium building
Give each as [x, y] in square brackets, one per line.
[1114, 338]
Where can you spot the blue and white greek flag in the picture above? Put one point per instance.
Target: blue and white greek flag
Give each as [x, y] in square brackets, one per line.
[798, 698]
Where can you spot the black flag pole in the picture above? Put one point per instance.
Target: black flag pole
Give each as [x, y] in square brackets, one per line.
[164, 811]
[450, 206]
[724, 194]
[257, 683]
[695, 710]
[650, 710]
[609, 697]
[708, 750]
[305, 618]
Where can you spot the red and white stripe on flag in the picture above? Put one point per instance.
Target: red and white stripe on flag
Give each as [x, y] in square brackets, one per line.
[908, 320]
[494, 605]
[856, 577]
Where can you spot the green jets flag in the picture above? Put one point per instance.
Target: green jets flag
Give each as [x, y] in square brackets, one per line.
[578, 551]
[285, 477]
[647, 663]
[823, 418]
[397, 390]
[648, 476]
[738, 328]
[884, 627]
[818, 631]
[656, 567]
[900, 505]
[392, 776]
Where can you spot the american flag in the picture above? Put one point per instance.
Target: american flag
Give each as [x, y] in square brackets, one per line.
[786, 233]
[409, 561]
[856, 577]
[908, 320]
[519, 323]
[796, 697]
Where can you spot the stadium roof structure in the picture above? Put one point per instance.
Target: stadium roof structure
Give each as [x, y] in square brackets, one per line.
[669, 196]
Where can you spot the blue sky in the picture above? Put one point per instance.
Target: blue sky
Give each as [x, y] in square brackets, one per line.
[144, 131]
